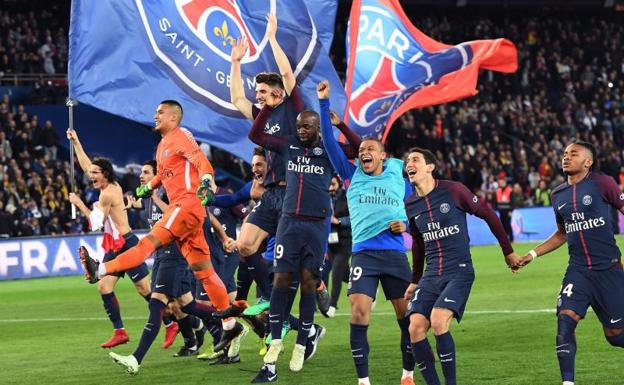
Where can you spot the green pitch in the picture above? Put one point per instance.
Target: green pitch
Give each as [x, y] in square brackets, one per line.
[50, 331]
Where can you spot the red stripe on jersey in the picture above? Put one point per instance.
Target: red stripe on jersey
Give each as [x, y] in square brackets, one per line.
[300, 187]
[440, 254]
[581, 235]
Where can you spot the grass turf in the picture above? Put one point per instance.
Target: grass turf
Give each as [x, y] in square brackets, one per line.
[51, 330]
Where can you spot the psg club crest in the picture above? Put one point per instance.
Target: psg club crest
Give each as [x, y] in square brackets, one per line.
[587, 200]
[392, 66]
[317, 151]
[193, 39]
[445, 208]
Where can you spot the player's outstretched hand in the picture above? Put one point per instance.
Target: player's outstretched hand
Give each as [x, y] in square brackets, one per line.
[144, 191]
[322, 89]
[131, 201]
[410, 291]
[239, 49]
[334, 118]
[229, 245]
[397, 227]
[525, 260]
[513, 262]
[272, 25]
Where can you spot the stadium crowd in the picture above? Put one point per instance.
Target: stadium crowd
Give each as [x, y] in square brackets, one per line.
[569, 84]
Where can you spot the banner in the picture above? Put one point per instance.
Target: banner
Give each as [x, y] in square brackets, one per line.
[48, 256]
[127, 56]
[393, 67]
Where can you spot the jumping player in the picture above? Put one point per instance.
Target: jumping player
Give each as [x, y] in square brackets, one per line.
[281, 94]
[186, 174]
[306, 209]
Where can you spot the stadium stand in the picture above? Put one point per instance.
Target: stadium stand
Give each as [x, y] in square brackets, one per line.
[570, 84]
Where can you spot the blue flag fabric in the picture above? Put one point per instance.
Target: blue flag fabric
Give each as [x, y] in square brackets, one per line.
[394, 67]
[127, 56]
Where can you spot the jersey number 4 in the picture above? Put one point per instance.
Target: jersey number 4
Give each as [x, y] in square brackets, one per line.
[568, 289]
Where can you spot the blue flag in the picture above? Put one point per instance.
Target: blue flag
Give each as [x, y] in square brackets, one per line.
[127, 56]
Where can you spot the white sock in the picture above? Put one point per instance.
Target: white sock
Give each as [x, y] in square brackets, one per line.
[312, 331]
[364, 381]
[407, 373]
[568, 382]
[271, 367]
[101, 270]
[229, 324]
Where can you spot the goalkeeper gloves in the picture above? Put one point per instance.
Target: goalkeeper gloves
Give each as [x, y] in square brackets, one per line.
[144, 191]
[204, 192]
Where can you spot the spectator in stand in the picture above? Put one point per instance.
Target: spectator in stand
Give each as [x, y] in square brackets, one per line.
[517, 196]
[504, 204]
[542, 194]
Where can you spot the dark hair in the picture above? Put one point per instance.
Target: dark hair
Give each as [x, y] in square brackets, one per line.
[259, 151]
[270, 78]
[107, 169]
[379, 142]
[430, 158]
[588, 146]
[153, 164]
[174, 103]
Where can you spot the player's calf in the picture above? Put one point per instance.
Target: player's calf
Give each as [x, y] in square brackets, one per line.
[566, 345]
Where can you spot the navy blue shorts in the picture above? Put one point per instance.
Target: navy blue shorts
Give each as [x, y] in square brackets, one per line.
[299, 245]
[136, 273]
[603, 290]
[171, 274]
[268, 211]
[369, 267]
[229, 270]
[447, 291]
[199, 294]
[217, 257]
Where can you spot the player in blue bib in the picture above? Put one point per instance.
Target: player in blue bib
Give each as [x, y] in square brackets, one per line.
[437, 216]
[376, 192]
[594, 276]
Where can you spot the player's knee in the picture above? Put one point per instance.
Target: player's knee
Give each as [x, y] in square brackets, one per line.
[616, 340]
[439, 325]
[143, 287]
[106, 286]
[565, 328]
[282, 280]
[160, 297]
[359, 314]
[417, 330]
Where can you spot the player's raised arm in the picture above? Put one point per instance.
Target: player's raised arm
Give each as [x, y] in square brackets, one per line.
[288, 77]
[352, 147]
[83, 158]
[261, 138]
[341, 164]
[237, 89]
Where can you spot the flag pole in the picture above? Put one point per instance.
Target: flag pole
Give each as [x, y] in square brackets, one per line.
[70, 103]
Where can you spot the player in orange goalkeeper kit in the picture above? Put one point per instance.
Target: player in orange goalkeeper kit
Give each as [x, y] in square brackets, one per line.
[186, 175]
